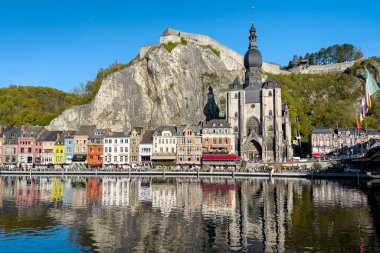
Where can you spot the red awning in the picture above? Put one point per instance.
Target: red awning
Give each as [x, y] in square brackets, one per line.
[220, 157]
[316, 155]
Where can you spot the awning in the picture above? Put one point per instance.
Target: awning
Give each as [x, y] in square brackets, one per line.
[79, 158]
[316, 155]
[220, 157]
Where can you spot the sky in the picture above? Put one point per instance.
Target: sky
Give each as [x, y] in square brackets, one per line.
[61, 44]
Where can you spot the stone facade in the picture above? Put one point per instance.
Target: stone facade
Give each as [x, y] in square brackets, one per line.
[218, 137]
[256, 113]
[189, 145]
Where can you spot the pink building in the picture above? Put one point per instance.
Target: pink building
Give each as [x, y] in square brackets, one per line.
[26, 143]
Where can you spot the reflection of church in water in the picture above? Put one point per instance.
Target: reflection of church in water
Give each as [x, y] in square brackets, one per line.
[255, 111]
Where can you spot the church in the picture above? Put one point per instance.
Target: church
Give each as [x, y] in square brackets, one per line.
[255, 111]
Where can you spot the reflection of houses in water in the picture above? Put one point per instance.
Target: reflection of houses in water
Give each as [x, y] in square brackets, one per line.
[218, 198]
[115, 191]
[57, 189]
[263, 214]
[189, 196]
[94, 189]
[164, 197]
[26, 191]
[330, 194]
[145, 190]
[46, 188]
[78, 190]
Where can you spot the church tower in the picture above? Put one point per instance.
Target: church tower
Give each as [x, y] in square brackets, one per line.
[255, 111]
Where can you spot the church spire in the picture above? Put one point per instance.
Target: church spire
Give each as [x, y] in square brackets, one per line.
[252, 37]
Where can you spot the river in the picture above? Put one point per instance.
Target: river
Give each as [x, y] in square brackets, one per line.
[122, 214]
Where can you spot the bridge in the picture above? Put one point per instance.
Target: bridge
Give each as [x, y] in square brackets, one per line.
[370, 161]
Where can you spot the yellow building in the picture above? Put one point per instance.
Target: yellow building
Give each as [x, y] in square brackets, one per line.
[59, 151]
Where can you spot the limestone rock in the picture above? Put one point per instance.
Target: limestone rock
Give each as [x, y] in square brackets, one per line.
[162, 88]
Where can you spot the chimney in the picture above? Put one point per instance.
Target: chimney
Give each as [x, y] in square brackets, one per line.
[108, 130]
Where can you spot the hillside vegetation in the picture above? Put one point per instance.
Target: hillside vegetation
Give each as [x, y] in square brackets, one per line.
[330, 100]
[33, 105]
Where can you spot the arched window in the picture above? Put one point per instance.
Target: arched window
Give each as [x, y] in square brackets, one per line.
[270, 113]
[253, 125]
[235, 129]
[236, 95]
[236, 114]
[270, 93]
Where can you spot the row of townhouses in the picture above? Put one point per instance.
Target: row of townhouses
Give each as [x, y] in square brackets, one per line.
[342, 141]
[210, 143]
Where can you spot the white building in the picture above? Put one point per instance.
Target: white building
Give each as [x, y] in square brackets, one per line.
[117, 148]
[164, 144]
[146, 148]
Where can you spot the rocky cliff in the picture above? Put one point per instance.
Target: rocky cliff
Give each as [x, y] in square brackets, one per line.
[161, 88]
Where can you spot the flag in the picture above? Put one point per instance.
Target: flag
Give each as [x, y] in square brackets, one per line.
[361, 118]
[364, 108]
[358, 125]
[371, 88]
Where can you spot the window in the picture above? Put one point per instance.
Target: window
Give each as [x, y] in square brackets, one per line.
[172, 150]
[121, 141]
[236, 114]
[99, 150]
[115, 158]
[270, 113]
[220, 140]
[121, 149]
[115, 149]
[115, 140]
[106, 149]
[270, 93]
[236, 95]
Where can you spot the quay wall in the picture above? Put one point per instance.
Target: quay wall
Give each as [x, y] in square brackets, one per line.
[353, 176]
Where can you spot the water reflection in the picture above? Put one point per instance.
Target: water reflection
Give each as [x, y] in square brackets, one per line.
[187, 214]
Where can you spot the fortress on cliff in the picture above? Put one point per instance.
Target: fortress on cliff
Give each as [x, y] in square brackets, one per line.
[233, 59]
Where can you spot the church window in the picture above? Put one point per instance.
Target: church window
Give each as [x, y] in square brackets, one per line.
[270, 113]
[270, 144]
[236, 129]
[253, 125]
[252, 106]
[270, 93]
[236, 95]
[236, 114]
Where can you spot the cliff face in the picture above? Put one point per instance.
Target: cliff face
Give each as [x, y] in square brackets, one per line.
[161, 88]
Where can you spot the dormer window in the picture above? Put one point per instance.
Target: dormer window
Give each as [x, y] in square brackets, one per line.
[213, 124]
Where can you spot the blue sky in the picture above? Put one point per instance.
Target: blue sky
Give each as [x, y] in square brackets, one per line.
[63, 43]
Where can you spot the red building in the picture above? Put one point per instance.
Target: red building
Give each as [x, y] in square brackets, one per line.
[95, 148]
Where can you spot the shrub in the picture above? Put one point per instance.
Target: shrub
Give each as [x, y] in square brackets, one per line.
[316, 166]
[183, 41]
[170, 46]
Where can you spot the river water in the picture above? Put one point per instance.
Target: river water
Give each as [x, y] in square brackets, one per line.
[120, 214]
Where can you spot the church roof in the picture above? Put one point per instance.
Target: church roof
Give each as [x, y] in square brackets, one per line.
[269, 83]
[235, 85]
